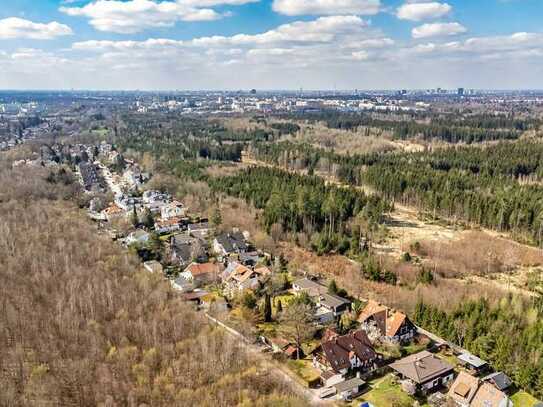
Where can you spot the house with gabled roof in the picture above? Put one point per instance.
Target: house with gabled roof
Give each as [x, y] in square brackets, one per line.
[344, 353]
[229, 243]
[392, 325]
[470, 391]
[463, 389]
[237, 277]
[174, 209]
[202, 273]
[489, 396]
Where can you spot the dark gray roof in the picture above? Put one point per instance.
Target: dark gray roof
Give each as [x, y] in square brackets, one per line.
[199, 226]
[350, 384]
[500, 380]
[332, 301]
[232, 242]
[312, 287]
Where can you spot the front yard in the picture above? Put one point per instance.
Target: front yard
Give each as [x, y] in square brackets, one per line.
[385, 392]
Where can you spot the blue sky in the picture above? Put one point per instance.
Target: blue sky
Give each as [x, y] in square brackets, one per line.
[272, 44]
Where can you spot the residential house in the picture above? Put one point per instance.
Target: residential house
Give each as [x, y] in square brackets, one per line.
[153, 266]
[312, 288]
[113, 212]
[500, 380]
[329, 378]
[334, 304]
[229, 243]
[202, 273]
[237, 277]
[184, 249]
[389, 324]
[329, 306]
[155, 200]
[128, 203]
[174, 209]
[155, 196]
[169, 225]
[489, 396]
[471, 362]
[200, 230]
[340, 354]
[423, 371]
[349, 389]
[463, 389]
[195, 296]
[249, 259]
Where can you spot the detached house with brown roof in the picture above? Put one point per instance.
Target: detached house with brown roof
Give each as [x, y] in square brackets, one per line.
[202, 273]
[423, 371]
[469, 391]
[237, 277]
[391, 325]
[340, 354]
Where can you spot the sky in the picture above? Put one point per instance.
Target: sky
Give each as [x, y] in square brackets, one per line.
[270, 44]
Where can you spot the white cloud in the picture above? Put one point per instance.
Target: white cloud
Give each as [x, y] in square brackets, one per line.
[326, 7]
[128, 17]
[438, 30]
[423, 11]
[324, 30]
[14, 27]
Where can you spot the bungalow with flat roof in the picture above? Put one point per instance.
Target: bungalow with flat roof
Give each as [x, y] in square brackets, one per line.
[349, 389]
[471, 362]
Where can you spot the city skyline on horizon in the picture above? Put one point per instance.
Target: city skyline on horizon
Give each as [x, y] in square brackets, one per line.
[271, 45]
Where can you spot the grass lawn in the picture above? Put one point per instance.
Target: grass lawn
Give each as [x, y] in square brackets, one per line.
[285, 301]
[268, 329]
[523, 399]
[449, 358]
[384, 392]
[100, 132]
[415, 347]
[304, 370]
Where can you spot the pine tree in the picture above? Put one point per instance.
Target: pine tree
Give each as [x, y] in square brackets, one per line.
[135, 219]
[267, 308]
[332, 287]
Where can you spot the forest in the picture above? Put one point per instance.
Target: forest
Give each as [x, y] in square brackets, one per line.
[498, 186]
[508, 335]
[297, 203]
[451, 128]
[82, 325]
